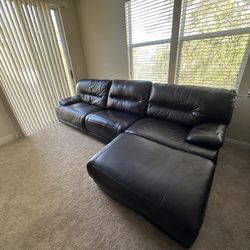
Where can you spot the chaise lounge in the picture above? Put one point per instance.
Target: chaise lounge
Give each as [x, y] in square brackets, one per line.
[163, 142]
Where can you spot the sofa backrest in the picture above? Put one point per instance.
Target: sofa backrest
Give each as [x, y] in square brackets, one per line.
[93, 91]
[190, 105]
[129, 96]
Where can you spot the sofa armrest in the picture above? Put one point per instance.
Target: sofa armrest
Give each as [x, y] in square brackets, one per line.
[210, 135]
[70, 100]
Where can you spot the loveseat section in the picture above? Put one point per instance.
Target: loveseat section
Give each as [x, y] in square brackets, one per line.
[157, 181]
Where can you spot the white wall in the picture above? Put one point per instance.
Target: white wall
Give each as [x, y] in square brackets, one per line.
[103, 31]
[239, 128]
[7, 130]
[73, 37]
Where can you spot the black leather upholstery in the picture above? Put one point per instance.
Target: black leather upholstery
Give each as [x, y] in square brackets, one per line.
[170, 134]
[93, 91]
[91, 97]
[210, 135]
[129, 96]
[167, 186]
[107, 124]
[74, 115]
[70, 100]
[163, 164]
[191, 105]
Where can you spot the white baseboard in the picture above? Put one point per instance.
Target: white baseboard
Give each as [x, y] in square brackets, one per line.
[237, 143]
[8, 138]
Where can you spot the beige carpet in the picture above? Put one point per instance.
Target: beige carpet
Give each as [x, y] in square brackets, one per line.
[48, 201]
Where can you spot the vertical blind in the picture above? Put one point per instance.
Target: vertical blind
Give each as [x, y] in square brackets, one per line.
[149, 25]
[32, 74]
[214, 42]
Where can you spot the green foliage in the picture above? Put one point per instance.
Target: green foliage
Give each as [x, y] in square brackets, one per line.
[212, 62]
[216, 61]
[215, 15]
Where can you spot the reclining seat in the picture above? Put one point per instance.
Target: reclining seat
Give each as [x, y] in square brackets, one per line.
[127, 103]
[188, 118]
[91, 97]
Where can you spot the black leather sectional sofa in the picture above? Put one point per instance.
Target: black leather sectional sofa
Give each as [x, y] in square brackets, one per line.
[163, 142]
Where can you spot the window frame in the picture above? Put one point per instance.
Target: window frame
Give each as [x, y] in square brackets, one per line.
[59, 22]
[177, 39]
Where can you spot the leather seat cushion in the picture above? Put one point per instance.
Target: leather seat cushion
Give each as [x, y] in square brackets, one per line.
[171, 134]
[107, 124]
[74, 115]
[168, 186]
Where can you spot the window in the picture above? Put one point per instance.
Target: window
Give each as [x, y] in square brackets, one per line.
[213, 41]
[149, 25]
[214, 35]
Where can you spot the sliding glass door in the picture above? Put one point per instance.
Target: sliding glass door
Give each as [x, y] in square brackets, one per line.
[35, 70]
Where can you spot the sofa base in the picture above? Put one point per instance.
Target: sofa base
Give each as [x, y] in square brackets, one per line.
[118, 198]
[100, 138]
[73, 126]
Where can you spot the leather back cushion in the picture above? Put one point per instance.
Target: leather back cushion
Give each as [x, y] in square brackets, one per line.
[191, 105]
[94, 91]
[129, 96]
